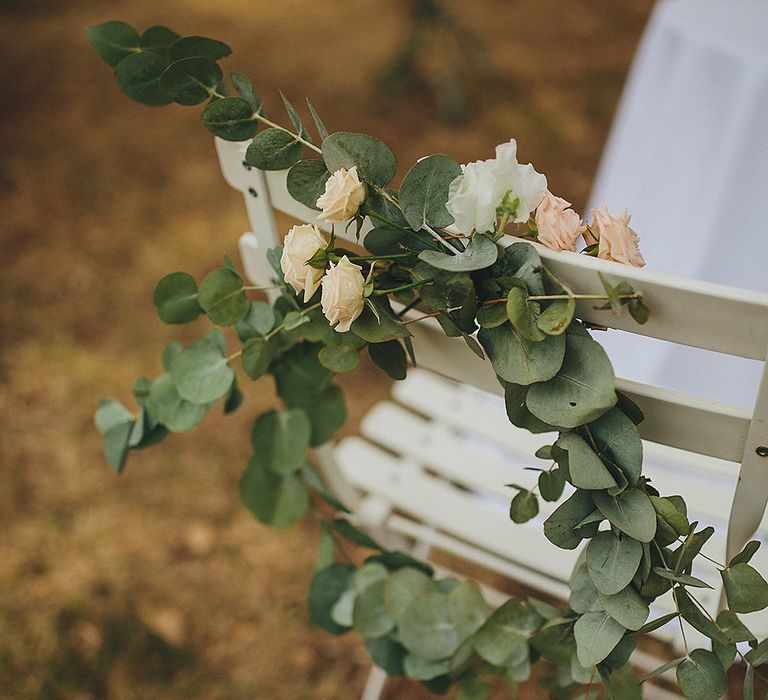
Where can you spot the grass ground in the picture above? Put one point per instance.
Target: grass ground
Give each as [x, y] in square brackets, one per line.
[157, 584]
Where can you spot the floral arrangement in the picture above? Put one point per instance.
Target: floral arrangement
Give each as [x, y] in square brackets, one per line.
[433, 252]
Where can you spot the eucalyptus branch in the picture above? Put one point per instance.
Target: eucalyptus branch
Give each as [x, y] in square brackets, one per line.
[296, 137]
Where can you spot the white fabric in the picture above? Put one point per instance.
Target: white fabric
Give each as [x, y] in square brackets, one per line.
[688, 157]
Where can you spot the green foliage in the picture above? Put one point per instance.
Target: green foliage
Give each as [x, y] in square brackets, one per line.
[481, 252]
[375, 162]
[424, 192]
[113, 41]
[190, 81]
[222, 297]
[176, 298]
[306, 181]
[230, 118]
[701, 675]
[138, 76]
[273, 149]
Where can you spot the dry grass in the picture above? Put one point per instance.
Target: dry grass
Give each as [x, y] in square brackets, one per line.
[158, 584]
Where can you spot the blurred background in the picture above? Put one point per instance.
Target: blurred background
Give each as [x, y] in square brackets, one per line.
[158, 584]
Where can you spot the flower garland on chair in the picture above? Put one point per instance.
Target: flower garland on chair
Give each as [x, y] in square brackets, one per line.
[433, 249]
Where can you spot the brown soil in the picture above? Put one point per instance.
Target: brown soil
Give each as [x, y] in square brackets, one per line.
[158, 584]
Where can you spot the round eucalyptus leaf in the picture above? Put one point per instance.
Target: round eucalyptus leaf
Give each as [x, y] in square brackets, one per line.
[522, 314]
[387, 654]
[175, 298]
[222, 297]
[502, 640]
[424, 192]
[524, 507]
[258, 321]
[383, 240]
[281, 439]
[403, 586]
[116, 444]
[276, 500]
[627, 608]
[517, 411]
[339, 358]
[273, 149]
[390, 356]
[369, 615]
[522, 361]
[584, 594]
[327, 413]
[255, 357]
[230, 118]
[306, 181]
[198, 47]
[113, 40]
[200, 373]
[745, 589]
[585, 467]
[481, 252]
[596, 636]
[581, 391]
[468, 608]
[138, 76]
[424, 670]
[426, 629]
[701, 676]
[492, 315]
[560, 527]
[631, 512]
[324, 592]
[169, 409]
[111, 413]
[612, 561]
[246, 90]
[376, 164]
[557, 316]
[551, 484]
[190, 81]
[618, 440]
[157, 39]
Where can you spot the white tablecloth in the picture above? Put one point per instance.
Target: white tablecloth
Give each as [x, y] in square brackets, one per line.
[688, 157]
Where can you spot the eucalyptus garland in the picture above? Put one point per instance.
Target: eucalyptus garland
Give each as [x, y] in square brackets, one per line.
[433, 250]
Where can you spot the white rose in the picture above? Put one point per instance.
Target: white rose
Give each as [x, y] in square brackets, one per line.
[344, 193]
[558, 227]
[616, 240]
[474, 196]
[301, 243]
[342, 296]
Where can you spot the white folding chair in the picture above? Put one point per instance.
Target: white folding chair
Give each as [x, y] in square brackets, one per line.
[432, 463]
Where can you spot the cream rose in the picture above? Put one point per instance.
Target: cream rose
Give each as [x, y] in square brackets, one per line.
[558, 227]
[474, 196]
[301, 243]
[344, 193]
[616, 240]
[342, 296]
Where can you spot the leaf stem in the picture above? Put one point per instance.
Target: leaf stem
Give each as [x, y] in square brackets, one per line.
[304, 142]
[410, 285]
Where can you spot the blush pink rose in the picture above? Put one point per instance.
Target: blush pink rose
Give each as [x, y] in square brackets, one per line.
[558, 227]
[616, 240]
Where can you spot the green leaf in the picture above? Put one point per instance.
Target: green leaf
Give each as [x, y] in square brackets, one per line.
[169, 409]
[273, 149]
[138, 76]
[479, 254]
[295, 119]
[383, 240]
[626, 607]
[369, 617]
[619, 442]
[394, 561]
[198, 47]
[157, 39]
[517, 411]
[492, 315]
[586, 469]
[631, 512]
[473, 687]
[339, 358]
[276, 500]
[306, 181]
[612, 562]
[113, 41]
[387, 654]
[281, 439]
[745, 589]
[524, 506]
[424, 192]
[560, 527]
[422, 669]
[581, 391]
[701, 676]
[222, 297]
[403, 586]
[364, 577]
[522, 361]
[200, 372]
[746, 554]
[110, 413]
[327, 413]
[190, 81]
[324, 592]
[658, 622]
[623, 684]
[426, 629]
[376, 164]
[355, 535]
[551, 484]
[695, 618]
[255, 357]
[503, 639]
[596, 636]
[733, 628]
[522, 314]
[258, 321]
[321, 130]
[584, 594]
[234, 398]
[245, 89]
[378, 330]
[684, 579]
[557, 316]
[230, 118]
[468, 608]
[175, 298]
[300, 377]
[116, 445]
[749, 683]
[390, 356]
[522, 262]
[667, 511]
